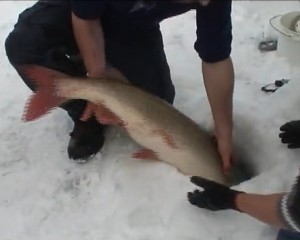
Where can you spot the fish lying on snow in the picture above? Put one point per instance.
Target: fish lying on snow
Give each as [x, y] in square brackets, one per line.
[165, 133]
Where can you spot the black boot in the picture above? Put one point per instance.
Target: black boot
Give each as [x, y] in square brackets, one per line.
[87, 138]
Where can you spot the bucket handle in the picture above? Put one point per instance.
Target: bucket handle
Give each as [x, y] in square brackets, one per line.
[278, 30]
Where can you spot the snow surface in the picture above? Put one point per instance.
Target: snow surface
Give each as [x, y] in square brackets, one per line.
[44, 195]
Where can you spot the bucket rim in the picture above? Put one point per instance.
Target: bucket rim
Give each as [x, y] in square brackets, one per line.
[285, 28]
[280, 28]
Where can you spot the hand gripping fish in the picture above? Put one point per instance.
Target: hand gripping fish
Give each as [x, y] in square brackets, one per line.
[164, 133]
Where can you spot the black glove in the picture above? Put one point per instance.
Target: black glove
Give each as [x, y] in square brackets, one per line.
[291, 134]
[214, 197]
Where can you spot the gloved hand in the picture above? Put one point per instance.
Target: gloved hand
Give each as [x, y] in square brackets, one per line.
[291, 134]
[214, 197]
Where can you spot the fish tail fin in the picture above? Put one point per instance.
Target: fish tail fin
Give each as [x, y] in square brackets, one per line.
[45, 98]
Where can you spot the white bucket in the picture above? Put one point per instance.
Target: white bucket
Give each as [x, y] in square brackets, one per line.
[288, 45]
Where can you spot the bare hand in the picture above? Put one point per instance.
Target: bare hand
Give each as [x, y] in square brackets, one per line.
[225, 151]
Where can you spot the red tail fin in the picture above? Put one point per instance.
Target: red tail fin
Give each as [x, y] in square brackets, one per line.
[44, 99]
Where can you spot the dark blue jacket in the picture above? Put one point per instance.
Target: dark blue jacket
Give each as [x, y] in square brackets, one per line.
[214, 29]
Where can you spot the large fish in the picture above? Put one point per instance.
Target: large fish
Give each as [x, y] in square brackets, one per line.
[165, 133]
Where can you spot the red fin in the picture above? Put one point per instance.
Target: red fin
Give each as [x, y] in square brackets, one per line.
[40, 104]
[41, 76]
[145, 154]
[44, 99]
[168, 139]
[102, 114]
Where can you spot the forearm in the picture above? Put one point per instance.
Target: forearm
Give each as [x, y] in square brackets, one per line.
[262, 207]
[219, 84]
[90, 41]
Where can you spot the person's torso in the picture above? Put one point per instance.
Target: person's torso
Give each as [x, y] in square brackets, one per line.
[137, 12]
[149, 12]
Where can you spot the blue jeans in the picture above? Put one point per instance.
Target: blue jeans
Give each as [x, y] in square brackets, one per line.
[288, 235]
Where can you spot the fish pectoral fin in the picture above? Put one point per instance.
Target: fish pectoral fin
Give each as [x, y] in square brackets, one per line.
[146, 154]
[88, 112]
[102, 114]
[167, 138]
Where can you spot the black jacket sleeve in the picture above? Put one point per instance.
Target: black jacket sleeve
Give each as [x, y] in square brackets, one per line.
[88, 9]
[214, 31]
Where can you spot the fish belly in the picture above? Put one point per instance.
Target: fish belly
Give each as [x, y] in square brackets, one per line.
[192, 164]
[187, 161]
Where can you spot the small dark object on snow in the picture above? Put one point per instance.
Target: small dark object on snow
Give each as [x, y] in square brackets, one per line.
[272, 87]
[267, 46]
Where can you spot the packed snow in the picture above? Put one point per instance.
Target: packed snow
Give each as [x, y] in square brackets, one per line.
[46, 196]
